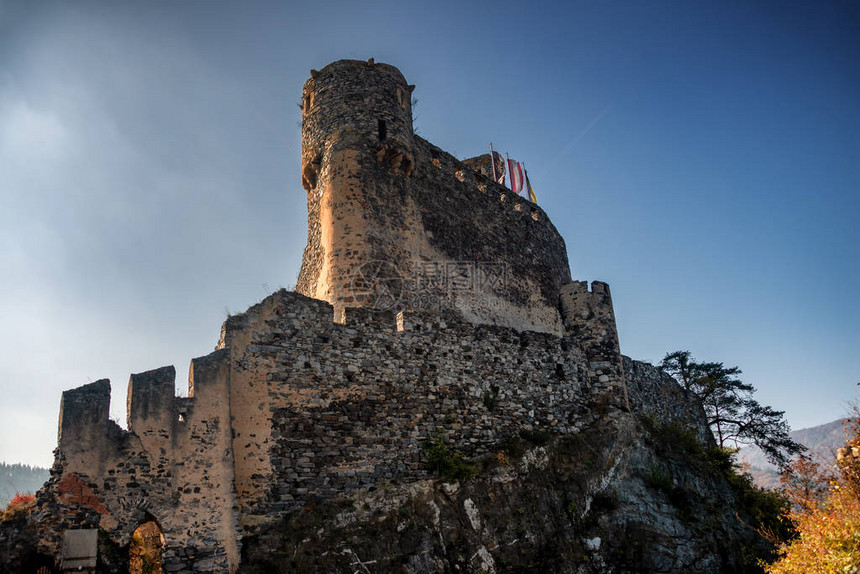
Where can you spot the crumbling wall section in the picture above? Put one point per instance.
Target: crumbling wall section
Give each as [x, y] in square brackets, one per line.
[173, 465]
[301, 402]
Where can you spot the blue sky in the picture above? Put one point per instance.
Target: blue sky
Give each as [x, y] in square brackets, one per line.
[703, 158]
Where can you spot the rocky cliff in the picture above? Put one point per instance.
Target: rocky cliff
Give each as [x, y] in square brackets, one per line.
[637, 492]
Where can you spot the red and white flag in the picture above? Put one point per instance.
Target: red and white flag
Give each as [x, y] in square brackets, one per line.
[515, 172]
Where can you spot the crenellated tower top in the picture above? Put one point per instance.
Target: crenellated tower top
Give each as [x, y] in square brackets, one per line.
[361, 105]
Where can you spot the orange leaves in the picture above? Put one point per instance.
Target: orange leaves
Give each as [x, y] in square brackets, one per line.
[18, 506]
[826, 515]
[22, 499]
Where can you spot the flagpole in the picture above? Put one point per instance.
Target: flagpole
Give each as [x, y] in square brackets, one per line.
[493, 162]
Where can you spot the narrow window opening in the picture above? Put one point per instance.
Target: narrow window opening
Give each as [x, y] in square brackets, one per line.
[383, 132]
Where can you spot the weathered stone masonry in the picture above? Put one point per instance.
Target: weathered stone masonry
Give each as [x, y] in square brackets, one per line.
[378, 193]
[352, 403]
[295, 407]
[175, 469]
[314, 395]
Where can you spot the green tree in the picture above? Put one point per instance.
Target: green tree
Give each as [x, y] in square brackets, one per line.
[735, 417]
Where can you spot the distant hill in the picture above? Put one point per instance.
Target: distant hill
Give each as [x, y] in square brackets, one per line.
[822, 442]
[15, 478]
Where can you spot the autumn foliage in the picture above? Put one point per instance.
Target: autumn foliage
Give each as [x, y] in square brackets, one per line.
[826, 514]
[18, 506]
[805, 483]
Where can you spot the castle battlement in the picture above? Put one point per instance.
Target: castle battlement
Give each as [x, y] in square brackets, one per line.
[150, 400]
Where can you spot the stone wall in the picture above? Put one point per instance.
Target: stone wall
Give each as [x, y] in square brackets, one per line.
[590, 318]
[301, 404]
[351, 403]
[396, 223]
[655, 393]
[173, 465]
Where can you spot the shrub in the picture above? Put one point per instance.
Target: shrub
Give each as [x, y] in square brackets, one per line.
[512, 446]
[491, 398]
[536, 437]
[763, 508]
[828, 525]
[448, 463]
[18, 507]
[659, 479]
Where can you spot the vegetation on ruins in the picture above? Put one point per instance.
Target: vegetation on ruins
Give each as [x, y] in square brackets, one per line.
[447, 462]
[736, 418]
[812, 521]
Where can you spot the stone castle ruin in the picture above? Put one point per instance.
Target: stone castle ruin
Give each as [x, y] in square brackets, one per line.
[431, 301]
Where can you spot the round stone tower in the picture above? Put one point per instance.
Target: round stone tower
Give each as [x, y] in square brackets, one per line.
[395, 223]
[357, 153]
